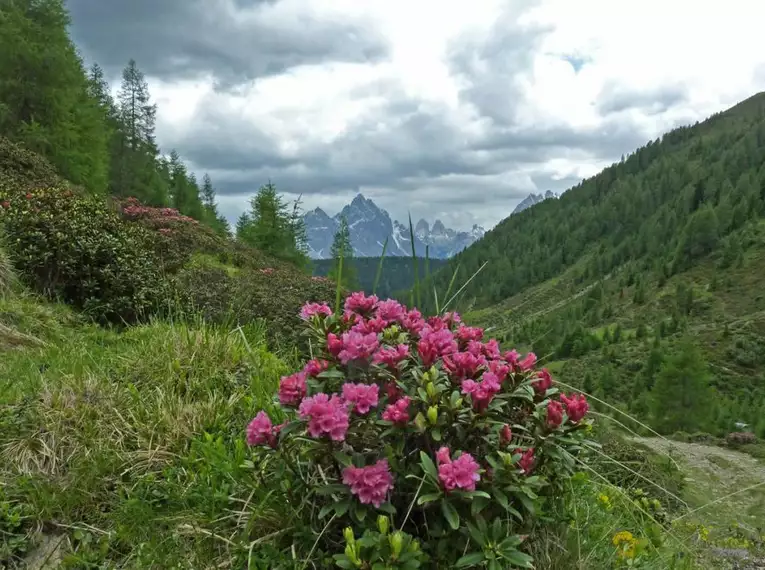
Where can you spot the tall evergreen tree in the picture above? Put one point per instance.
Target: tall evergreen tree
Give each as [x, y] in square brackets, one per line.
[342, 248]
[45, 98]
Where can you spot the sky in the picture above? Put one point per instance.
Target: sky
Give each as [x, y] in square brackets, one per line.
[448, 109]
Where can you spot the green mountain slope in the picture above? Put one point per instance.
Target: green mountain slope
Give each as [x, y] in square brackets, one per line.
[659, 258]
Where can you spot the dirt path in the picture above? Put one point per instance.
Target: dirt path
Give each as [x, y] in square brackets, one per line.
[725, 490]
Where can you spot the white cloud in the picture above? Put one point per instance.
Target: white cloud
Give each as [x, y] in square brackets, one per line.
[641, 69]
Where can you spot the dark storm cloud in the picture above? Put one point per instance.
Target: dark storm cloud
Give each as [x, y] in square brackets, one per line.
[234, 40]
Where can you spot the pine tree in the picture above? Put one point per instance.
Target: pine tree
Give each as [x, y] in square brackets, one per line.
[342, 248]
[681, 396]
[45, 98]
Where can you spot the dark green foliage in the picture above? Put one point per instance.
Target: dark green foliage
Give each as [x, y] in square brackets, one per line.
[681, 398]
[74, 248]
[45, 102]
[241, 296]
[397, 273]
[273, 228]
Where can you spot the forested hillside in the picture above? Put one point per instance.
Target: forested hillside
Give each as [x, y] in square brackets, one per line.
[397, 273]
[51, 104]
[644, 283]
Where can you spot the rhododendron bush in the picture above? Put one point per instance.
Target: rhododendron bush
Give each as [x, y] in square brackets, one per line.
[407, 441]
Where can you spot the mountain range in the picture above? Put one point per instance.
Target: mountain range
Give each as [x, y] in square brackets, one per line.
[371, 225]
[532, 199]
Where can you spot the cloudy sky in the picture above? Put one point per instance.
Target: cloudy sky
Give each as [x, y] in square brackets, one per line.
[453, 109]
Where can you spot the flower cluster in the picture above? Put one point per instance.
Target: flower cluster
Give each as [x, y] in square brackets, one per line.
[132, 209]
[400, 410]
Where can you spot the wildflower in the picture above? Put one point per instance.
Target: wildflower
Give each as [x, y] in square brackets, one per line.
[499, 369]
[370, 484]
[544, 383]
[528, 361]
[310, 310]
[390, 311]
[362, 396]
[261, 431]
[315, 367]
[460, 473]
[359, 303]
[461, 365]
[465, 334]
[413, 322]
[397, 412]
[554, 414]
[358, 346]
[325, 416]
[292, 389]
[626, 544]
[452, 318]
[5, 204]
[436, 323]
[505, 435]
[334, 344]
[490, 349]
[392, 391]
[482, 392]
[527, 460]
[435, 344]
[29, 196]
[511, 357]
[374, 325]
[576, 407]
[267, 270]
[391, 356]
[605, 500]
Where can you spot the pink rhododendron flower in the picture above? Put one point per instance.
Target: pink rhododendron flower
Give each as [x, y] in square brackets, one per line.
[261, 431]
[576, 407]
[462, 365]
[490, 349]
[544, 383]
[527, 460]
[392, 391]
[362, 396]
[292, 389]
[482, 392]
[505, 435]
[315, 367]
[465, 334]
[374, 325]
[397, 412]
[334, 344]
[436, 323]
[452, 318]
[370, 484]
[391, 356]
[443, 455]
[413, 322]
[325, 415]
[460, 473]
[528, 361]
[390, 311]
[359, 303]
[511, 357]
[315, 309]
[435, 344]
[499, 369]
[554, 414]
[358, 346]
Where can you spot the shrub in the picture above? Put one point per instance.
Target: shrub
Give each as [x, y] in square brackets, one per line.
[462, 445]
[737, 438]
[274, 295]
[76, 249]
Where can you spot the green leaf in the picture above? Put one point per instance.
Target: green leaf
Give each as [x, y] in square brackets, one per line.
[342, 507]
[478, 504]
[429, 498]
[450, 514]
[428, 466]
[435, 434]
[388, 508]
[519, 558]
[470, 560]
[325, 510]
[501, 498]
[343, 459]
